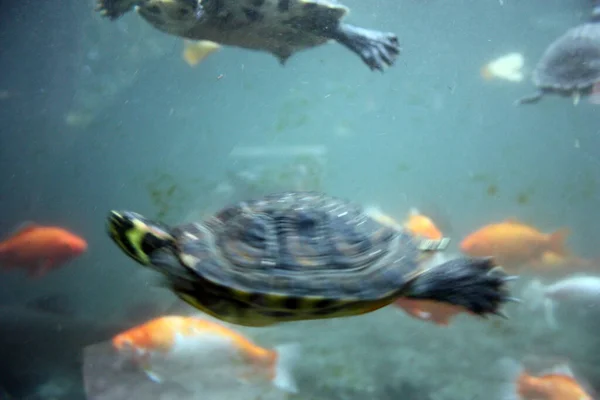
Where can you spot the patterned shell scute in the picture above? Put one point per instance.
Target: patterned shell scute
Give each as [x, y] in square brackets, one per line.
[304, 244]
[572, 61]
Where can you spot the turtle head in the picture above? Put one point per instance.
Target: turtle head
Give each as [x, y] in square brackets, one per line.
[138, 236]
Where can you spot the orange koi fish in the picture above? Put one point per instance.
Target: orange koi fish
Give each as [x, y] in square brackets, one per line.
[512, 243]
[557, 384]
[39, 249]
[170, 347]
[422, 225]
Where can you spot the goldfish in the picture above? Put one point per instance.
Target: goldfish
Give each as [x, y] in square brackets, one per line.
[513, 243]
[194, 52]
[39, 249]
[559, 383]
[170, 347]
[421, 225]
[507, 67]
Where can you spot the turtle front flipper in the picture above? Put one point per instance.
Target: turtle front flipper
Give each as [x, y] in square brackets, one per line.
[475, 284]
[376, 49]
[114, 9]
[531, 99]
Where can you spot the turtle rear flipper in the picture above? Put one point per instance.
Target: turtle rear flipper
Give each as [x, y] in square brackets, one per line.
[475, 284]
[376, 49]
[531, 99]
[114, 9]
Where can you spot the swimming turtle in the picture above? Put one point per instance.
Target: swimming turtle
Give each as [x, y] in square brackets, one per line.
[300, 256]
[570, 66]
[279, 27]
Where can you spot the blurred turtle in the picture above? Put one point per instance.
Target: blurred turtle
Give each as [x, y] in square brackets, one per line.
[570, 66]
[301, 256]
[596, 10]
[279, 27]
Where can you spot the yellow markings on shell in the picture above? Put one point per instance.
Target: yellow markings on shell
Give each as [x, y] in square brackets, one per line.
[229, 313]
[240, 295]
[308, 262]
[189, 260]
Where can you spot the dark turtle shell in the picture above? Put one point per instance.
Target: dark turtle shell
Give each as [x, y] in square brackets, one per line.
[572, 62]
[298, 245]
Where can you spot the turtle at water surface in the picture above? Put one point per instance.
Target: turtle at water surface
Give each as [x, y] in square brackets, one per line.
[302, 256]
[279, 27]
[570, 66]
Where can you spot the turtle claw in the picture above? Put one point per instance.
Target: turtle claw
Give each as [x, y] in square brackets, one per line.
[501, 314]
[531, 99]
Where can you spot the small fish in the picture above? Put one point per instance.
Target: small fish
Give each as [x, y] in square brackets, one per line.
[194, 52]
[39, 249]
[167, 347]
[421, 225]
[507, 67]
[581, 288]
[513, 243]
[558, 383]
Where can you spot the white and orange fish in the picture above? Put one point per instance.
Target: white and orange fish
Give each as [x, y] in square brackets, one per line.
[39, 249]
[508, 67]
[169, 348]
[581, 289]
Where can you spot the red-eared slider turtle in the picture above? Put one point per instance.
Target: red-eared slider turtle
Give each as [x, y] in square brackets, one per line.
[570, 66]
[279, 27]
[300, 256]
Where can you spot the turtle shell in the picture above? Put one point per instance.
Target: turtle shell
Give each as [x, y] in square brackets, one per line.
[297, 246]
[572, 62]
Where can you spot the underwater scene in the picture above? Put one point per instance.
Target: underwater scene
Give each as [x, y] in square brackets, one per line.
[300, 200]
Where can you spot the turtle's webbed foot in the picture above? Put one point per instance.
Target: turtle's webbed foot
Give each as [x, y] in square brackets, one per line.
[114, 9]
[534, 98]
[476, 284]
[376, 49]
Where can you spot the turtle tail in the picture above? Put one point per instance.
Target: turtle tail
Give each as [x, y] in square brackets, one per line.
[475, 284]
